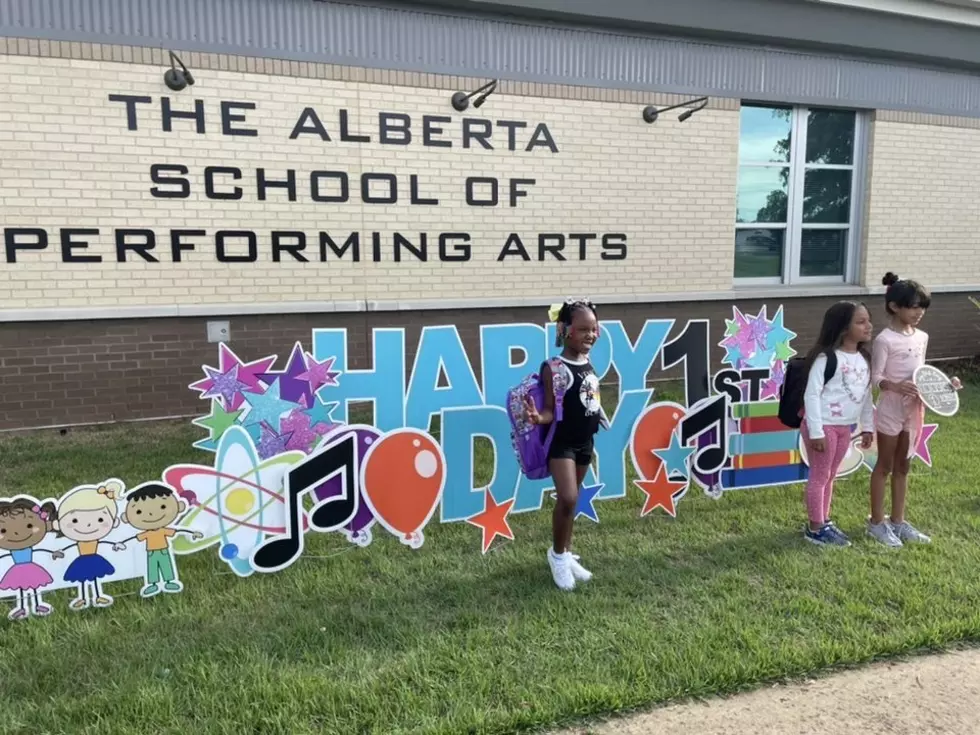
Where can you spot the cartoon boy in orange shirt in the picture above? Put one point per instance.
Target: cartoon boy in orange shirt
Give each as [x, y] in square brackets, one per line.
[151, 508]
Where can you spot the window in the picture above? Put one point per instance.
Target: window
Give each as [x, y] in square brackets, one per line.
[797, 209]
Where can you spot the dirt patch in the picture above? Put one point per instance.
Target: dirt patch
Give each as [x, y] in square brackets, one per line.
[931, 694]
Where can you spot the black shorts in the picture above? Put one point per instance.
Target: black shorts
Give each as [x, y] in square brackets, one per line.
[581, 455]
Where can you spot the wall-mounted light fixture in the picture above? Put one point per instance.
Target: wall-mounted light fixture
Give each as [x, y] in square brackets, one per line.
[651, 114]
[177, 79]
[461, 100]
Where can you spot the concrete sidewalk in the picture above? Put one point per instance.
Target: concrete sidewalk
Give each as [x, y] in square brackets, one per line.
[930, 694]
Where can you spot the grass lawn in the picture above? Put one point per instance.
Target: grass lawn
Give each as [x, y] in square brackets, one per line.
[440, 640]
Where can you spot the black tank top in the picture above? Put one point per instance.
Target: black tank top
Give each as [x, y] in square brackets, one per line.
[581, 407]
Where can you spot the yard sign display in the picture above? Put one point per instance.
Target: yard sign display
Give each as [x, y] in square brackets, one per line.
[287, 461]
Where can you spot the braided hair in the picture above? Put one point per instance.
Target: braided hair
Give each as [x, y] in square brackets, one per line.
[567, 313]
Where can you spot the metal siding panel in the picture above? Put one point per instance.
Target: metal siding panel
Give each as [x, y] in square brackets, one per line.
[793, 75]
[869, 81]
[396, 38]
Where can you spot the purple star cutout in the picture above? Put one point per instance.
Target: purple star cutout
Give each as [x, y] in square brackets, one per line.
[759, 328]
[319, 374]
[272, 443]
[226, 385]
[297, 424]
[922, 447]
[247, 374]
[770, 388]
[291, 386]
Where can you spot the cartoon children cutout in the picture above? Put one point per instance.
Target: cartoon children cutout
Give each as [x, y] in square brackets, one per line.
[151, 508]
[24, 522]
[86, 516]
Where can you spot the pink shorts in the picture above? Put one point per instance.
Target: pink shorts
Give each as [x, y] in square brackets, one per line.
[895, 414]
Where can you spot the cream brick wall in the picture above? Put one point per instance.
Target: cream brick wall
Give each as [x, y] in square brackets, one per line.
[67, 159]
[923, 213]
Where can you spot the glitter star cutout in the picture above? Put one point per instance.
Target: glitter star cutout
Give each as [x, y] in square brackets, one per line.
[227, 385]
[267, 408]
[319, 374]
[247, 373]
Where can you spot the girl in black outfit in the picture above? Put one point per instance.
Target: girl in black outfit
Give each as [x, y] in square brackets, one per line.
[571, 448]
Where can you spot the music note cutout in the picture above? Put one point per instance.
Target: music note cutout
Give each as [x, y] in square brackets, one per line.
[330, 514]
[707, 416]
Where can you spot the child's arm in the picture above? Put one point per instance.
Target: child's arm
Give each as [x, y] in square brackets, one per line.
[56, 554]
[812, 409]
[868, 413]
[547, 413]
[879, 357]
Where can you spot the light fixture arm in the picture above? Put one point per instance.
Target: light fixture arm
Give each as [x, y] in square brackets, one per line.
[461, 100]
[651, 114]
[177, 79]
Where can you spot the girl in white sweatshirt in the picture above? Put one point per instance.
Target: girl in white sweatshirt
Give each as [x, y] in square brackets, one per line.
[831, 408]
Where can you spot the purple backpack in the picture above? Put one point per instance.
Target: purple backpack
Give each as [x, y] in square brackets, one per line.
[531, 441]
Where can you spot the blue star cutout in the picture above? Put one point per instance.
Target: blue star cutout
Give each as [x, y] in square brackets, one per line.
[267, 407]
[208, 445]
[586, 498]
[733, 356]
[675, 457]
[779, 332]
[321, 413]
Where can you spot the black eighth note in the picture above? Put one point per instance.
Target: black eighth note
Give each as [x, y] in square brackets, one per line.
[710, 415]
[330, 514]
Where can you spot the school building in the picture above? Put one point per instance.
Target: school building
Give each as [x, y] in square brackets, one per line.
[345, 164]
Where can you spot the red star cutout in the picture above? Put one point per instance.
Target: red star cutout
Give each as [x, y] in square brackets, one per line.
[493, 521]
[660, 492]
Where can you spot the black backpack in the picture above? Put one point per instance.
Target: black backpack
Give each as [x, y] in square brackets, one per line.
[794, 386]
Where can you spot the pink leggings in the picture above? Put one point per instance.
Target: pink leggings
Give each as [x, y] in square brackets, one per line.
[823, 469]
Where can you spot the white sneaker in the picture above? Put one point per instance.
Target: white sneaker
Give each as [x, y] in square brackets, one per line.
[905, 531]
[561, 569]
[883, 533]
[580, 573]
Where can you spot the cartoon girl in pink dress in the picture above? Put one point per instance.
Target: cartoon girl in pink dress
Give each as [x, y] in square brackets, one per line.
[24, 522]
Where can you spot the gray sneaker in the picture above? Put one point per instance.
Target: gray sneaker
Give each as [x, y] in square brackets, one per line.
[882, 532]
[905, 531]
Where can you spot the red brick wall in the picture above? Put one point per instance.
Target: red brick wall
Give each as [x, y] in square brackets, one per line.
[90, 371]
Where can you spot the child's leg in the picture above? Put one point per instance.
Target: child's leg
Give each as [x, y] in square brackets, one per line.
[567, 478]
[839, 445]
[565, 474]
[900, 478]
[39, 607]
[883, 468]
[902, 529]
[819, 477]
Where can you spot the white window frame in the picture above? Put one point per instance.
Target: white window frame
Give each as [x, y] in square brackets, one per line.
[792, 244]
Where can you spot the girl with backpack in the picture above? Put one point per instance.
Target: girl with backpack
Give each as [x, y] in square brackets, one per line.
[572, 446]
[831, 406]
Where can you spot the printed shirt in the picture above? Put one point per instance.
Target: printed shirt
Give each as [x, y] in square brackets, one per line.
[156, 540]
[896, 356]
[844, 400]
[582, 412]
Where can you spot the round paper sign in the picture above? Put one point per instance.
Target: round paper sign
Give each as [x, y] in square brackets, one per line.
[937, 390]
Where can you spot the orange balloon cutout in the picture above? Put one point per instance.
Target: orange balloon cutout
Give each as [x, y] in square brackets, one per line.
[402, 477]
[653, 431]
